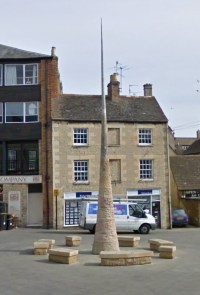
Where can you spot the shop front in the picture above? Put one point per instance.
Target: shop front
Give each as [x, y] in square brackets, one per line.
[72, 203]
[150, 198]
[24, 197]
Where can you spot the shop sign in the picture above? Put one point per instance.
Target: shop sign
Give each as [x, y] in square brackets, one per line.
[192, 194]
[21, 179]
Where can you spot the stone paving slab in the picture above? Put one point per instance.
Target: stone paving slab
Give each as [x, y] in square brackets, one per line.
[23, 273]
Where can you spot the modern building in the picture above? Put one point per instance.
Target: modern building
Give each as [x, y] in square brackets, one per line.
[138, 150]
[28, 82]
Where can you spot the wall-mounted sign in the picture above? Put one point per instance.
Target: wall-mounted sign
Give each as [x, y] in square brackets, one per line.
[21, 179]
[192, 194]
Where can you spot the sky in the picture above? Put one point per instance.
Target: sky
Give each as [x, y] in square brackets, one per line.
[146, 41]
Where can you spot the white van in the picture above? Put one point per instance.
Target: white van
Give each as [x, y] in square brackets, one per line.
[128, 216]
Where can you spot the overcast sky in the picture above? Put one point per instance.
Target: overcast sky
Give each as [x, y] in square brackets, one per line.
[153, 41]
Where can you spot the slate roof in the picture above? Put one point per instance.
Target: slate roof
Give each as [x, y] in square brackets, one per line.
[7, 52]
[84, 108]
[186, 171]
[193, 149]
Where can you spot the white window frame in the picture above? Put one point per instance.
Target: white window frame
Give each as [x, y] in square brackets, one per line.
[81, 171]
[145, 136]
[25, 114]
[80, 136]
[26, 80]
[146, 169]
[1, 75]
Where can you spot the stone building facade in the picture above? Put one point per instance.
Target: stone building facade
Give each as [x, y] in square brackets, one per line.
[137, 147]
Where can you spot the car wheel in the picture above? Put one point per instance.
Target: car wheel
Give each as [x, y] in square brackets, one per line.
[144, 229]
[92, 231]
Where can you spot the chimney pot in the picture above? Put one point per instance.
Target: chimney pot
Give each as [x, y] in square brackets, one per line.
[147, 89]
[53, 51]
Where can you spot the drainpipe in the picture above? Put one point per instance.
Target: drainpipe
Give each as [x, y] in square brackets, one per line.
[46, 144]
[169, 185]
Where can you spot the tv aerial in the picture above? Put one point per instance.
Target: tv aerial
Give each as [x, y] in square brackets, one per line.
[119, 68]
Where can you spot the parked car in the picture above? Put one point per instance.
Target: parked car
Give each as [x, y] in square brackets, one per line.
[179, 217]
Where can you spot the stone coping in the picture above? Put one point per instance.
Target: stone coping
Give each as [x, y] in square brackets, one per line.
[41, 245]
[73, 238]
[125, 254]
[51, 242]
[160, 242]
[169, 249]
[127, 238]
[63, 252]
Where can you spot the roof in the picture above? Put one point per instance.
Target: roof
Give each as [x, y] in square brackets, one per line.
[186, 141]
[193, 149]
[186, 172]
[84, 108]
[7, 52]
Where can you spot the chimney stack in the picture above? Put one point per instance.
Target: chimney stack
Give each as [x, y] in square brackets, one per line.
[147, 89]
[113, 87]
[198, 134]
[53, 51]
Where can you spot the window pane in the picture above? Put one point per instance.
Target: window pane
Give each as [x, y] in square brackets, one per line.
[145, 136]
[31, 111]
[80, 136]
[1, 112]
[1, 75]
[21, 74]
[14, 112]
[146, 169]
[12, 160]
[14, 74]
[80, 170]
[30, 74]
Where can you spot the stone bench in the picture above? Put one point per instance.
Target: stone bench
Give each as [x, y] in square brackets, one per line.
[49, 241]
[168, 252]
[63, 255]
[125, 258]
[126, 241]
[156, 243]
[40, 248]
[72, 241]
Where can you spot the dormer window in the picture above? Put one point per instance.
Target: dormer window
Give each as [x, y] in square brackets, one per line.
[21, 74]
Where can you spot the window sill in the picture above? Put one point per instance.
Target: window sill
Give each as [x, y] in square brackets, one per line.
[80, 145]
[146, 180]
[81, 183]
[145, 144]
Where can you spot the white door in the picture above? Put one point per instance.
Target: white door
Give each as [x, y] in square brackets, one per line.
[35, 209]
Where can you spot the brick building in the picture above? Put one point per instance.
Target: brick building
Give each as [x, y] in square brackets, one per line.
[137, 145]
[28, 81]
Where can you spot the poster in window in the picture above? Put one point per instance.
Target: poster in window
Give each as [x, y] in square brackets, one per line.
[14, 203]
